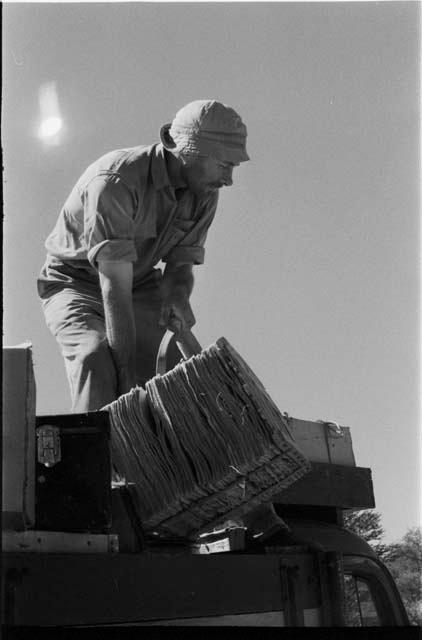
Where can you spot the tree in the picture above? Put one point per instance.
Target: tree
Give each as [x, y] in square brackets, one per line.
[405, 566]
[402, 558]
[367, 525]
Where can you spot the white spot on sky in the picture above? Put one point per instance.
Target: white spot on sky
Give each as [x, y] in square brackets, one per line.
[50, 127]
[51, 123]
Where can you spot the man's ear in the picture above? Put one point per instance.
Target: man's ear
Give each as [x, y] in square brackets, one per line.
[166, 138]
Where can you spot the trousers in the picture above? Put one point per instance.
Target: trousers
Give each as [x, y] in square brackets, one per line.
[75, 317]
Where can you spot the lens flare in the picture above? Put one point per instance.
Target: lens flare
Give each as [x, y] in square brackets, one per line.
[51, 125]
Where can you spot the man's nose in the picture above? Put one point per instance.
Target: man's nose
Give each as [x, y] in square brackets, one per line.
[228, 177]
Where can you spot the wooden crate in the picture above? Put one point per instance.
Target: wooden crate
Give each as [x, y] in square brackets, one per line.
[18, 486]
[323, 441]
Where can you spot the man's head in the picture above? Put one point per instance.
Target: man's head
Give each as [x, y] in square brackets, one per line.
[209, 138]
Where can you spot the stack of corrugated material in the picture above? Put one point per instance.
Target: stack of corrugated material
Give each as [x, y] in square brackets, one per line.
[204, 442]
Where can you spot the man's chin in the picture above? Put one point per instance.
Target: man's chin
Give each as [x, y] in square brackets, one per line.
[203, 190]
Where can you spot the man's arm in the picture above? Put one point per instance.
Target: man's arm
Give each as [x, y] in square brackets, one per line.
[116, 280]
[176, 288]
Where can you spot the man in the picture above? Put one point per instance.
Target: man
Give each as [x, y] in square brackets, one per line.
[103, 297]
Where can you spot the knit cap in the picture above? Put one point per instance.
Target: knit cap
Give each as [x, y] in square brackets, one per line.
[208, 127]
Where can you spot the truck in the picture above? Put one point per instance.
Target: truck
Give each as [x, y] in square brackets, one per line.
[113, 574]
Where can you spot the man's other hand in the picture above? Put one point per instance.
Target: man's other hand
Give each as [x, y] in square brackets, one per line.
[176, 288]
[176, 313]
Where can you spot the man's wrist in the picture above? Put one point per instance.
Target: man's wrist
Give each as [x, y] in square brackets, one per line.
[126, 379]
[178, 277]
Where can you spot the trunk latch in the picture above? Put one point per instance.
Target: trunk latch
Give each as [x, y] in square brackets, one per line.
[49, 451]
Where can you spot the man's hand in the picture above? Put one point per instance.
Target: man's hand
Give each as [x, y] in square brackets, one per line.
[176, 312]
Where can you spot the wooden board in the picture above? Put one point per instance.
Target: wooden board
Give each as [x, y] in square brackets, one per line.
[331, 485]
[58, 542]
[119, 588]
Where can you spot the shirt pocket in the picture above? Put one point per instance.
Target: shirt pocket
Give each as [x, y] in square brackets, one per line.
[176, 232]
[178, 229]
[179, 224]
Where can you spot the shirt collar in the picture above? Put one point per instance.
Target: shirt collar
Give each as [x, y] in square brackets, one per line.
[159, 173]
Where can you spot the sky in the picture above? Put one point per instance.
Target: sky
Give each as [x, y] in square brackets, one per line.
[312, 267]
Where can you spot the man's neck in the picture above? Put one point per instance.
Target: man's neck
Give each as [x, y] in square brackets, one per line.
[175, 172]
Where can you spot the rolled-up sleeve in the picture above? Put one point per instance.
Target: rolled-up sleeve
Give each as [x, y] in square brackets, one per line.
[189, 255]
[191, 249]
[109, 207]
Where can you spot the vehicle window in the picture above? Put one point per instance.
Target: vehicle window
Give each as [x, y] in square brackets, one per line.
[360, 609]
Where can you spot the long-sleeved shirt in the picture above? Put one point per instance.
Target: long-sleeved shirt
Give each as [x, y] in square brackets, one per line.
[124, 208]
